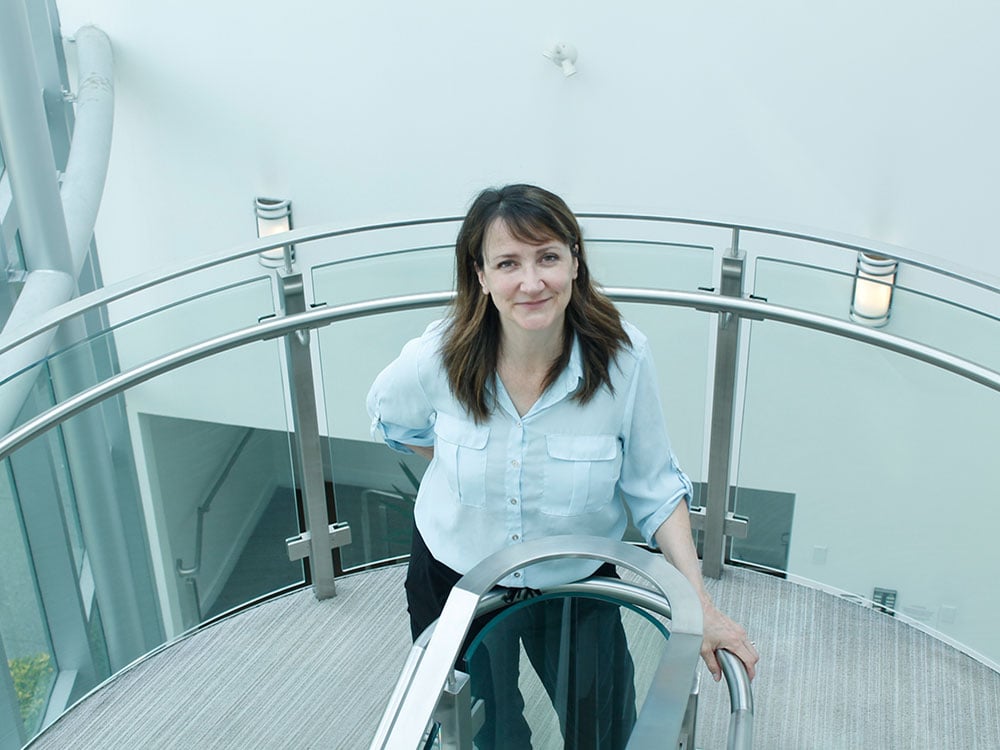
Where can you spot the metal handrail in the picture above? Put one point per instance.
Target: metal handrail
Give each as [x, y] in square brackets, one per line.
[410, 710]
[281, 326]
[733, 670]
[180, 269]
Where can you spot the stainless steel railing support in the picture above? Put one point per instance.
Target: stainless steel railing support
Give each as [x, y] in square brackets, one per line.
[723, 415]
[308, 445]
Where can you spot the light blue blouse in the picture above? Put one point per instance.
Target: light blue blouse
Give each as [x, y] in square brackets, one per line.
[562, 468]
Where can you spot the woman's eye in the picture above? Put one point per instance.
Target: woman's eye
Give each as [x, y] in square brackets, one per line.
[550, 258]
[505, 264]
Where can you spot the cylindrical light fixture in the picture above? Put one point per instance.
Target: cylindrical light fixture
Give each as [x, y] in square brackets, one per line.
[874, 278]
[274, 216]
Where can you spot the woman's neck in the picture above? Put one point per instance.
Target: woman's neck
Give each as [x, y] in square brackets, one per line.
[530, 350]
[525, 361]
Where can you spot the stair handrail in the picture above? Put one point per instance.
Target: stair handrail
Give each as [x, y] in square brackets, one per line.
[410, 709]
[275, 327]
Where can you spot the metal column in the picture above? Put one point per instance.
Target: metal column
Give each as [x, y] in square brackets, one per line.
[320, 537]
[24, 132]
[718, 521]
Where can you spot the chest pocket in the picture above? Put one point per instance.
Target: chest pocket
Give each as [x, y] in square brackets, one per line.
[581, 473]
[460, 450]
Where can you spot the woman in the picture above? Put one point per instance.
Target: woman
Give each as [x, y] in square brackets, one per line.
[539, 409]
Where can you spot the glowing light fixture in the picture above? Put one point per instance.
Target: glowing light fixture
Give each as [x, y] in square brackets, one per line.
[274, 216]
[874, 278]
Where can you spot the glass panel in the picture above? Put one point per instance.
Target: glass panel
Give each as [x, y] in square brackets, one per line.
[680, 338]
[429, 269]
[650, 265]
[915, 315]
[970, 334]
[374, 487]
[143, 330]
[22, 626]
[884, 466]
[216, 453]
[549, 666]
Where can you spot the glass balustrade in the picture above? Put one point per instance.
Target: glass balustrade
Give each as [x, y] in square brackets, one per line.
[873, 469]
[564, 669]
[861, 470]
[23, 630]
[215, 461]
[374, 488]
[147, 327]
[918, 313]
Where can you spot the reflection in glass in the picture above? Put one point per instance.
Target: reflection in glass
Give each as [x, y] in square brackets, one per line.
[877, 452]
[22, 625]
[560, 669]
[429, 269]
[650, 265]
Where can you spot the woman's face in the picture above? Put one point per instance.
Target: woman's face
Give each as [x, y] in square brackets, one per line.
[530, 284]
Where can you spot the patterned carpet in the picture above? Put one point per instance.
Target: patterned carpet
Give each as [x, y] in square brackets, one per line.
[297, 673]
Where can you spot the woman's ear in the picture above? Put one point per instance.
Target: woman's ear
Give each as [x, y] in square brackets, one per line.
[482, 278]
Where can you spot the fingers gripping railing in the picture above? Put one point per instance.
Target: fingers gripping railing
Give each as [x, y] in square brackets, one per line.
[429, 668]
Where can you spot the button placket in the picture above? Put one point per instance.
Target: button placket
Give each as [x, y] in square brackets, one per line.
[514, 479]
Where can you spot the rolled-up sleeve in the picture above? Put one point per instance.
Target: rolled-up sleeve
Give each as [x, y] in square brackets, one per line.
[397, 403]
[651, 481]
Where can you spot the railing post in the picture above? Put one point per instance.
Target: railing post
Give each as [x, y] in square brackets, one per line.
[319, 533]
[723, 409]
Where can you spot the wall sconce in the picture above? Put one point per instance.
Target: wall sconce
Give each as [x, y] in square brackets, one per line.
[563, 55]
[274, 216]
[874, 278]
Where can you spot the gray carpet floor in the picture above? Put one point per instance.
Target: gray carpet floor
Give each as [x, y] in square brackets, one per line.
[297, 673]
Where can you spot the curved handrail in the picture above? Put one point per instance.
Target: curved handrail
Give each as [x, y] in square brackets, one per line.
[275, 327]
[403, 724]
[305, 235]
[734, 671]
[740, 700]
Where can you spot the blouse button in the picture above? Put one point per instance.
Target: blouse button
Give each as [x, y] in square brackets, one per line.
[515, 463]
[513, 501]
[517, 575]
[515, 537]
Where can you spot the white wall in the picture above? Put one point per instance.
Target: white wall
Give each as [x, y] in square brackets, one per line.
[870, 119]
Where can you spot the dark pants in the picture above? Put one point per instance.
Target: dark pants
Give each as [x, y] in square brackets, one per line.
[576, 645]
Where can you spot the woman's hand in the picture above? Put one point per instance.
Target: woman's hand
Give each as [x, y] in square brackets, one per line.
[674, 538]
[721, 632]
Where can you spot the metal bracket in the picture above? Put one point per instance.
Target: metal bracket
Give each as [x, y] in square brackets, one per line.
[299, 546]
[735, 526]
[460, 717]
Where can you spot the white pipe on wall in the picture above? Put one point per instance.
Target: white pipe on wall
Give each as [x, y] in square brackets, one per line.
[53, 280]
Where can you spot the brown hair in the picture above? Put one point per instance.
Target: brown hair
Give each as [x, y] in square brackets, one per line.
[471, 343]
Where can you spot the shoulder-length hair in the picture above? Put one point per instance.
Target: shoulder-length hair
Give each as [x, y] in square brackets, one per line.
[471, 342]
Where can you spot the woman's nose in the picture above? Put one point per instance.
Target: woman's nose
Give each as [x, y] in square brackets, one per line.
[531, 280]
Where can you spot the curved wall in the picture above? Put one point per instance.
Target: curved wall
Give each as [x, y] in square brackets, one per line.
[860, 118]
